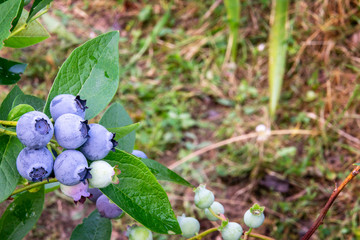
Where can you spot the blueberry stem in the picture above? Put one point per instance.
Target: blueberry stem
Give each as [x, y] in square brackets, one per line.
[34, 185]
[7, 132]
[8, 123]
[247, 233]
[217, 216]
[54, 142]
[203, 234]
[55, 147]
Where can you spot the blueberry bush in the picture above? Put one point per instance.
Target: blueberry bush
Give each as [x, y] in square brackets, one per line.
[45, 142]
[50, 145]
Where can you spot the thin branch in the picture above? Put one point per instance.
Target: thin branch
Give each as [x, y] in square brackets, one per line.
[339, 131]
[246, 235]
[260, 236]
[34, 185]
[8, 123]
[240, 138]
[7, 132]
[203, 234]
[331, 200]
[215, 215]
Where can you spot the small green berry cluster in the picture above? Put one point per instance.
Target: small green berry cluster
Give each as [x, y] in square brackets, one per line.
[214, 211]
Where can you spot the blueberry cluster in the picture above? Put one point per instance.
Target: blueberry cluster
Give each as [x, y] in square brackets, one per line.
[205, 199]
[81, 142]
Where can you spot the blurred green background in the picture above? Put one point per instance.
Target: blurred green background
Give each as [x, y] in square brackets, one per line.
[190, 90]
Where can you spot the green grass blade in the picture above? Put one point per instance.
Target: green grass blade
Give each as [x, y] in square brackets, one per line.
[277, 51]
[233, 16]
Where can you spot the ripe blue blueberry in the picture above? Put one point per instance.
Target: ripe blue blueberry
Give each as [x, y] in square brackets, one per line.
[139, 233]
[232, 231]
[102, 174]
[67, 103]
[189, 226]
[78, 192]
[218, 208]
[107, 209]
[34, 129]
[139, 154]
[35, 164]
[203, 197]
[254, 217]
[71, 168]
[99, 144]
[95, 194]
[71, 131]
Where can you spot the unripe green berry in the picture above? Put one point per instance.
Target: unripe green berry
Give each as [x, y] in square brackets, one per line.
[232, 231]
[189, 226]
[218, 208]
[254, 220]
[203, 197]
[140, 233]
[102, 174]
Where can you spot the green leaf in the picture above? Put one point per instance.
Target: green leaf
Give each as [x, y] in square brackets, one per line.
[233, 16]
[123, 131]
[277, 52]
[26, 2]
[8, 11]
[10, 71]
[10, 148]
[93, 227]
[37, 7]
[163, 173]
[140, 195]
[115, 117]
[91, 71]
[18, 111]
[26, 35]
[7, 104]
[21, 215]
[18, 15]
[35, 102]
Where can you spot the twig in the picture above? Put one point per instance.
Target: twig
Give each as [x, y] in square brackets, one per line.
[34, 185]
[260, 236]
[211, 9]
[339, 131]
[7, 132]
[215, 215]
[237, 139]
[331, 200]
[203, 234]
[8, 123]
[247, 234]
